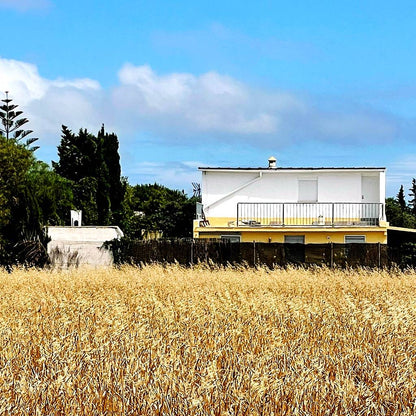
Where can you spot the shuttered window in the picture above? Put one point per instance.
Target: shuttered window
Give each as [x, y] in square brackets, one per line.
[231, 238]
[349, 239]
[294, 239]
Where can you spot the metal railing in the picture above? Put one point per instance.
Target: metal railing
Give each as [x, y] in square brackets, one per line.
[260, 214]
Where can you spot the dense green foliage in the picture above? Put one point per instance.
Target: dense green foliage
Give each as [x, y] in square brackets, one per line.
[20, 213]
[53, 193]
[158, 210]
[398, 212]
[92, 163]
[397, 216]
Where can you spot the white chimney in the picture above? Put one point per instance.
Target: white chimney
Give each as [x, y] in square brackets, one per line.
[272, 162]
[76, 217]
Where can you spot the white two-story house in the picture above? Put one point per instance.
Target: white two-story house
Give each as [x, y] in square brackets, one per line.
[300, 205]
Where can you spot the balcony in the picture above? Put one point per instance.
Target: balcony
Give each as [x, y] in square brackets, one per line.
[274, 214]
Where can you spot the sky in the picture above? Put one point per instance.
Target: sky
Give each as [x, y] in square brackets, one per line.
[220, 83]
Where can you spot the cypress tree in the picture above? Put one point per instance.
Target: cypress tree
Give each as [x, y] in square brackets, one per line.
[110, 147]
[401, 199]
[412, 194]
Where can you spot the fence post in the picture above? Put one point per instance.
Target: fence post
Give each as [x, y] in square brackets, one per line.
[254, 252]
[332, 256]
[192, 252]
[206, 252]
[379, 255]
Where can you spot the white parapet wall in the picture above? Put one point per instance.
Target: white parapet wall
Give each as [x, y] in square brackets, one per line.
[81, 246]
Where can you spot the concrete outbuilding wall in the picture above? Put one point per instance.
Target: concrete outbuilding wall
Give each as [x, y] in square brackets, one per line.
[77, 246]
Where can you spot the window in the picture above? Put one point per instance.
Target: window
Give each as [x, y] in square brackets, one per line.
[307, 190]
[294, 239]
[231, 238]
[350, 239]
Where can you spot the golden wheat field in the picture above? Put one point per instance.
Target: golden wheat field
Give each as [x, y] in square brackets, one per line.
[176, 341]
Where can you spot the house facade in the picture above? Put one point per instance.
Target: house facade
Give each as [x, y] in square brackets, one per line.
[292, 205]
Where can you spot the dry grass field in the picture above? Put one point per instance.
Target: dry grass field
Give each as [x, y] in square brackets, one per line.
[175, 341]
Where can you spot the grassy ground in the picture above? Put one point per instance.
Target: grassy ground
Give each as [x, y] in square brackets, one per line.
[199, 342]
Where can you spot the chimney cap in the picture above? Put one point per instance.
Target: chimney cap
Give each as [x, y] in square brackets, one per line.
[272, 162]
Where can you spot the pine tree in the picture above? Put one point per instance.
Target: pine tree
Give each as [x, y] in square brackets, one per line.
[12, 124]
[401, 199]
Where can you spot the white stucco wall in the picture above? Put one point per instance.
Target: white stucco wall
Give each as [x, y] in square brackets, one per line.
[76, 246]
[282, 186]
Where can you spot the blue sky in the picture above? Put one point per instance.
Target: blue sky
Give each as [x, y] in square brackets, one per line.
[219, 83]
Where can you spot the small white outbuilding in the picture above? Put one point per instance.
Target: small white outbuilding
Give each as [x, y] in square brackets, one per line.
[81, 245]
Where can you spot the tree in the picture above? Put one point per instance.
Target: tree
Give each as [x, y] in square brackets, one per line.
[111, 158]
[54, 194]
[156, 208]
[20, 217]
[12, 124]
[93, 164]
[412, 194]
[401, 199]
[396, 217]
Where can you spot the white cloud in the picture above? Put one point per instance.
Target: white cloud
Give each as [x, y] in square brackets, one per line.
[186, 108]
[50, 103]
[23, 5]
[209, 103]
[214, 104]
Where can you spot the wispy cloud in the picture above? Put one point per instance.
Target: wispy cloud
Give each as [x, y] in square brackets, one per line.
[24, 5]
[172, 173]
[402, 171]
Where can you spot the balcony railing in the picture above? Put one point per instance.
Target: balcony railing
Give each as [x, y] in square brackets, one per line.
[260, 214]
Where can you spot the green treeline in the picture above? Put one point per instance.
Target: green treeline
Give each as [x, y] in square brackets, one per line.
[401, 213]
[87, 177]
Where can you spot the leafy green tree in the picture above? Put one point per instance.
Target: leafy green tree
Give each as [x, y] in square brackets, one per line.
[53, 192]
[156, 208]
[85, 196]
[20, 216]
[12, 125]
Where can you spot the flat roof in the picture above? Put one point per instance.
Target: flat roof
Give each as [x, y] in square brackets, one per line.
[292, 168]
[401, 229]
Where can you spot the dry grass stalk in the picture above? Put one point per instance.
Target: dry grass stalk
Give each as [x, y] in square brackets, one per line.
[178, 341]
